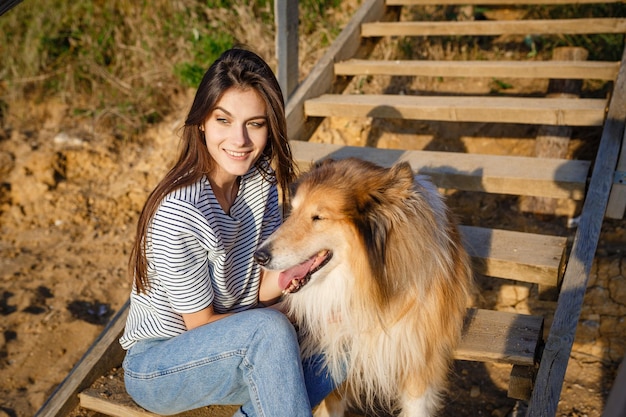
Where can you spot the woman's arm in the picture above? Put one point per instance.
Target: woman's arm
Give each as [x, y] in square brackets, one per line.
[269, 291]
[204, 316]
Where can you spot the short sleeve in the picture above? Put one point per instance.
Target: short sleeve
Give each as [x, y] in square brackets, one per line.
[272, 217]
[180, 257]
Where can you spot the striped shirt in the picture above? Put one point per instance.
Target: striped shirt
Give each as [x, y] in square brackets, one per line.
[200, 256]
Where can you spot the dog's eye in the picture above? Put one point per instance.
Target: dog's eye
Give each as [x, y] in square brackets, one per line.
[316, 217]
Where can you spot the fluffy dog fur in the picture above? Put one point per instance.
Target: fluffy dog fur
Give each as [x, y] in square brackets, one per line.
[385, 286]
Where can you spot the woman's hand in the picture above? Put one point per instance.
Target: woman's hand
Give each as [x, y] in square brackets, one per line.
[269, 290]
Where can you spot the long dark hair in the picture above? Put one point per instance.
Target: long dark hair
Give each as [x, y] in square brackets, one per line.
[235, 68]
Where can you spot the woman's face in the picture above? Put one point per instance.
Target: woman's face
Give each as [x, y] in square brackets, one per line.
[236, 133]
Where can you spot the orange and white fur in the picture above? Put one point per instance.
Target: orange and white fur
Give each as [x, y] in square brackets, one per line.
[379, 280]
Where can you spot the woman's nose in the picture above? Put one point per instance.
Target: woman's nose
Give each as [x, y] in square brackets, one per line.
[242, 137]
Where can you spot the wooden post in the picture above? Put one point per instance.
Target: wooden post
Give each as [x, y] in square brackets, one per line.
[104, 354]
[616, 403]
[7, 5]
[553, 141]
[617, 200]
[286, 19]
[549, 382]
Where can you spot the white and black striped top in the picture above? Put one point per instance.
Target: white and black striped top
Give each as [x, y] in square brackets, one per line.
[198, 255]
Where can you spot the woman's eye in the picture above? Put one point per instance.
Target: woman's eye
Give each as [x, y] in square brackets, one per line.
[257, 124]
[222, 120]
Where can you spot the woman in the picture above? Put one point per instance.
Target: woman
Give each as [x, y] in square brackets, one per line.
[194, 334]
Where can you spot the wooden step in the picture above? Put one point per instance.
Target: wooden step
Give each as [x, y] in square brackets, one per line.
[541, 111]
[495, 27]
[499, 336]
[592, 70]
[519, 256]
[488, 336]
[108, 396]
[517, 175]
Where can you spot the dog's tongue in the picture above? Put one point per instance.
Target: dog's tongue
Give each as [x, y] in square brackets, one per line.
[295, 272]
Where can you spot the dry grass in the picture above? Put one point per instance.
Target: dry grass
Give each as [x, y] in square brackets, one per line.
[119, 66]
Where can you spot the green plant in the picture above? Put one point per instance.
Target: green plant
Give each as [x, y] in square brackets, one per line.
[205, 49]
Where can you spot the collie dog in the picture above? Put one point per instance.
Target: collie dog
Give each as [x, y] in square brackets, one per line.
[377, 280]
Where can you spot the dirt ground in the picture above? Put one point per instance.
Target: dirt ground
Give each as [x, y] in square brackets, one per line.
[69, 201]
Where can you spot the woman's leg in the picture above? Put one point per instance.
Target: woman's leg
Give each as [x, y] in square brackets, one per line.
[250, 358]
[319, 383]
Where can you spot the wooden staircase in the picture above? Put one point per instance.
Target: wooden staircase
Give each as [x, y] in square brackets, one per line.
[537, 356]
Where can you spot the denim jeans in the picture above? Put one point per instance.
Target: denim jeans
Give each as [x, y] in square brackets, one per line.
[251, 359]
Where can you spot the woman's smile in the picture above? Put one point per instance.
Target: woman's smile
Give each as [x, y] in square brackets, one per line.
[236, 133]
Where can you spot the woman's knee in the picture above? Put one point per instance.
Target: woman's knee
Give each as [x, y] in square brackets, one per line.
[274, 321]
[274, 328]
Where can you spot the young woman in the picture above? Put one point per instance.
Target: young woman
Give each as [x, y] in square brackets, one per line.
[195, 334]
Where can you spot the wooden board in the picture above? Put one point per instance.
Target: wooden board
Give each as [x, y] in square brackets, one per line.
[286, 17]
[7, 5]
[108, 396]
[497, 336]
[554, 141]
[617, 200]
[470, 172]
[495, 27]
[598, 70]
[491, 109]
[545, 396]
[616, 403]
[104, 354]
[513, 255]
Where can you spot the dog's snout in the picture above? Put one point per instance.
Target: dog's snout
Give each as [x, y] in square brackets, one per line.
[262, 256]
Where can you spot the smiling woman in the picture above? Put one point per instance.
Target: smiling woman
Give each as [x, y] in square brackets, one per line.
[235, 137]
[196, 334]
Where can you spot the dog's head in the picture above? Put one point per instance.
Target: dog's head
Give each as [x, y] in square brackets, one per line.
[339, 207]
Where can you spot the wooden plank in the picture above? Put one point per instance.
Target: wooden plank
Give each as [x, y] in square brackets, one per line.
[320, 79]
[492, 2]
[617, 200]
[556, 354]
[7, 5]
[498, 336]
[496, 27]
[123, 406]
[521, 382]
[471, 172]
[514, 255]
[490, 109]
[286, 20]
[598, 70]
[104, 354]
[108, 396]
[616, 403]
[553, 141]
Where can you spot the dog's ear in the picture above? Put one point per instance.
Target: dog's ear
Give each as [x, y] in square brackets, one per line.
[322, 163]
[401, 176]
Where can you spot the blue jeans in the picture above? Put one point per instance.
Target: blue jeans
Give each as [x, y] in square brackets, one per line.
[250, 358]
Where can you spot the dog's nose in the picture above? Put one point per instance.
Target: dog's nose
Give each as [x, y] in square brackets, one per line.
[262, 256]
